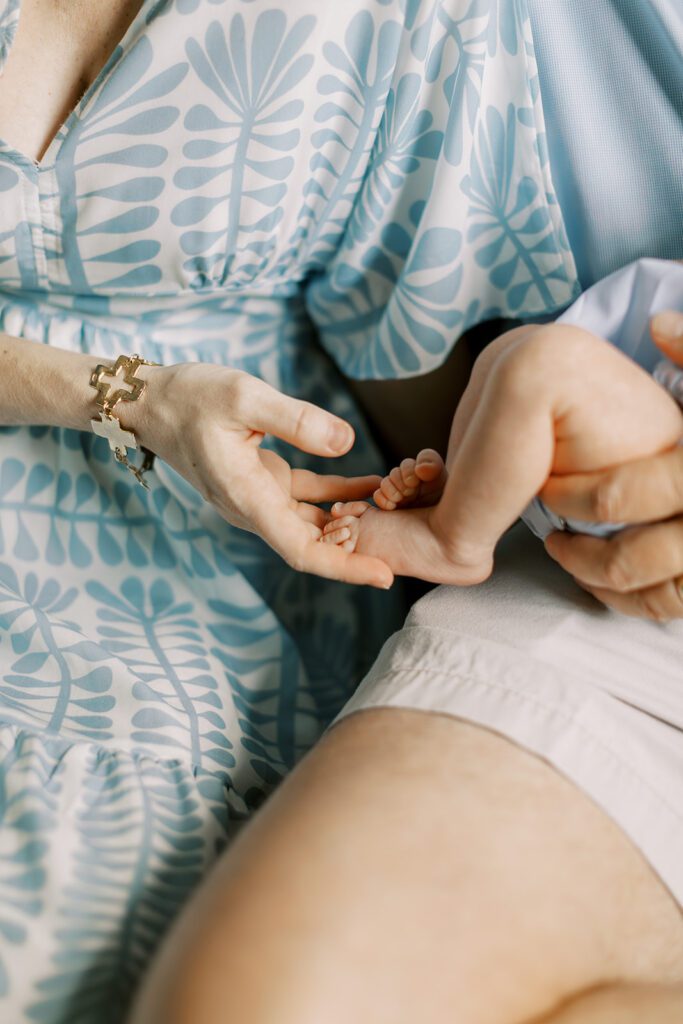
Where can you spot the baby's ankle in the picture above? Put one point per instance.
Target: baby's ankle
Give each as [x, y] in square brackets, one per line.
[471, 558]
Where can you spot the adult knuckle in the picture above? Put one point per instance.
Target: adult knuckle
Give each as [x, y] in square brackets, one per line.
[619, 570]
[242, 392]
[651, 607]
[677, 601]
[304, 420]
[665, 483]
[607, 499]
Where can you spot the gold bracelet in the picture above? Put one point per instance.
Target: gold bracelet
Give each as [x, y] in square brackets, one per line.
[108, 425]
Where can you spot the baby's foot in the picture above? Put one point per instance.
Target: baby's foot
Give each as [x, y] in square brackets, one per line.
[416, 482]
[406, 541]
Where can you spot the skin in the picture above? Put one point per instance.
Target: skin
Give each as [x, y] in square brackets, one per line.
[59, 49]
[416, 867]
[208, 422]
[638, 573]
[485, 893]
[530, 411]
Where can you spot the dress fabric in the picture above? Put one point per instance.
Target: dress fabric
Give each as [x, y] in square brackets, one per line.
[611, 77]
[301, 190]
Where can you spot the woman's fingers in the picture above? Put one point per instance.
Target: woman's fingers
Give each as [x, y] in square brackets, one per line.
[310, 514]
[349, 508]
[263, 504]
[630, 561]
[306, 426]
[667, 332]
[251, 496]
[306, 554]
[641, 491]
[307, 486]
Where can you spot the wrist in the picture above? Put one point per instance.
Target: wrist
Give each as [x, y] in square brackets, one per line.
[149, 415]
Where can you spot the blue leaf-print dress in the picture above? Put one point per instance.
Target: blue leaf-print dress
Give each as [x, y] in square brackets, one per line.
[302, 190]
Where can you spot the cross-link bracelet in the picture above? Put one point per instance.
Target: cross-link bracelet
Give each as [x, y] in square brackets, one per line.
[108, 424]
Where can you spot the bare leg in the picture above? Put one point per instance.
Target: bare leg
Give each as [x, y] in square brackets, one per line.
[416, 867]
[623, 1004]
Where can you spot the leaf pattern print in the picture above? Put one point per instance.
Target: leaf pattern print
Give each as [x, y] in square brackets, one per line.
[358, 80]
[128, 104]
[252, 81]
[29, 785]
[506, 21]
[122, 895]
[9, 21]
[159, 641]
[53, 684]
[248, 646]
[462, 87]
[405, 137]
[399, 291]
[510, 216]
[423, 281]
[80, 520]
[17, 235]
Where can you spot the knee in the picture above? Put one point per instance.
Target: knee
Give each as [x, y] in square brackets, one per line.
[551, 353]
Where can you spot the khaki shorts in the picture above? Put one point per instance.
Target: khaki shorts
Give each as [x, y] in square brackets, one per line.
[535, 658]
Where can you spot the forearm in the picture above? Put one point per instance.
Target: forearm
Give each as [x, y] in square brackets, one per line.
[41, 384]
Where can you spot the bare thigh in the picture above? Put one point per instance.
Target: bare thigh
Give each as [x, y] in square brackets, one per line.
[416, 867]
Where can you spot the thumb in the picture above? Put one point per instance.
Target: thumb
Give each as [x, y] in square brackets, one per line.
[301, 424]
[667, 333]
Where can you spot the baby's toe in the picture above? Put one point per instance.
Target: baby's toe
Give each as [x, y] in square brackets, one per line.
[336, 536]
[316, 532]
[383, 502]
[343, 532]
[429, 465]
[410, 479]
[390, 491]
[396, 477]
[340, 509]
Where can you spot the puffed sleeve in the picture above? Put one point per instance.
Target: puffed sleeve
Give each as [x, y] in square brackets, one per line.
[431, 188]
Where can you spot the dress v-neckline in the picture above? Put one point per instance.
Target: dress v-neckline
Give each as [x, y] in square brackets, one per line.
[49, 156]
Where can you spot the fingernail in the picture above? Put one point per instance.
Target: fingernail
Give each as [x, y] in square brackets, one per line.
[669, 323]
[340, 436]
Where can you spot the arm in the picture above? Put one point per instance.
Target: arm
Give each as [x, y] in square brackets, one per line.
[45, 385]
[207, 422]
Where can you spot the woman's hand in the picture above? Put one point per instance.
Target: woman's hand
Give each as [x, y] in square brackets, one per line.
[639, 571]
[208, 421]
